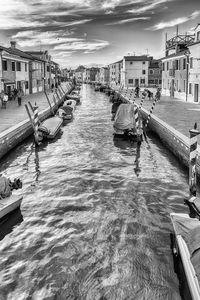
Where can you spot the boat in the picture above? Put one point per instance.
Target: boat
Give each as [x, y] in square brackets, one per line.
[74, 97]
[186, 247]
[124, 124]
[71, 103]
[50, 128]
[65, 112]
[9, 204]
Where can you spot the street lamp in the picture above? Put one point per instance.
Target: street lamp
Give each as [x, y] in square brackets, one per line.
[187, 54]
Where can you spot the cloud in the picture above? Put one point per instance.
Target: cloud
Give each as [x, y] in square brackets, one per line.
[120, 22]
[174, 22]
[77, 22]
[83, 45]
[149, 5]
[31, 38]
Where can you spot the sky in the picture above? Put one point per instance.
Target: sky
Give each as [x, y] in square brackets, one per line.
[88, 32]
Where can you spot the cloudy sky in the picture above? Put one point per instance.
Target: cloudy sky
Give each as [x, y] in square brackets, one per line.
[95, 31]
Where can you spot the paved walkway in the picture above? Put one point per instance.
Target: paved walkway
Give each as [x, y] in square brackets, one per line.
[15, 114]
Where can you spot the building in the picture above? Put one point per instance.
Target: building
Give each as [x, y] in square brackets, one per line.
[194, 68]
[44, 56]
[79, 73]
[89, 74]
[134, 71]
[155, 73]
[178, 69]
[104, 75]
[115, 72]
[14, 69]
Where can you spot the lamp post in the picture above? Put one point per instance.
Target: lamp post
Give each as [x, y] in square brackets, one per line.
[187, 54]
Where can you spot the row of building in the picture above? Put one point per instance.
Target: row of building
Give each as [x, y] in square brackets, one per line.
[32, 71]
[177, 73]
[130, 71]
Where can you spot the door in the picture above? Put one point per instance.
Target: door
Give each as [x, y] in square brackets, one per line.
[196, 92]
[172, 88]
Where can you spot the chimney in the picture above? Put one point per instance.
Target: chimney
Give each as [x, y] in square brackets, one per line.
[13, 44]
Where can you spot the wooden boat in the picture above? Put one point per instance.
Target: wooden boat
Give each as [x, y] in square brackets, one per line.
[65, 112]
[127, 135]
[50, 128]
[71, 103]
[9, 204]
[74, 97]
[186, 247]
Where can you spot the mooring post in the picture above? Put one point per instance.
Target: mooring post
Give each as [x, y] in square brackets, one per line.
[150, 112]
[131, 93]
[193, 158]
[142, 99]
[36, 123]
[136, 118]
[51, 108]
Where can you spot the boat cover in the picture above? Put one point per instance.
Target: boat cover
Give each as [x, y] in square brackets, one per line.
[189, 229]
[51, 126]
[124, 118]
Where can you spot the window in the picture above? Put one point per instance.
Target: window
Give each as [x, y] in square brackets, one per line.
[176, 64]
[48, 69]
[18, 66]
[177, 85]
[190, 88]
[167, 65]
[26, 85]
[191, 62]
[143, 71]
[184, 63]
[142, 81]
[160, 81]
[13, 66]
[131, 62]
[130, 81]
[4, 65]
[151, 72]
[25, 67]
[198, 36]
[163, 66]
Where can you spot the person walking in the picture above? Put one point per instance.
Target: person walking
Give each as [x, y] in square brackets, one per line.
[15, 92]
[19, 96]
[5, 100]
[158, 94]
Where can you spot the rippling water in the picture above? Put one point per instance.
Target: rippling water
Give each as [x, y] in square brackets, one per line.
[95, 213]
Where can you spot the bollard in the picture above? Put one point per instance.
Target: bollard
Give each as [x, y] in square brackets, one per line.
[134, 98]
[36, 123]
[142, 100]
[150, 112]
[193, 157]
[130, 96]
[136, 118]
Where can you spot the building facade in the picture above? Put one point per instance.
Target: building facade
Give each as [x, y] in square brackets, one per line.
[79, 73]
[155, 73]
[115, 72]
[104, 75]
[194, 68]
[134, 71]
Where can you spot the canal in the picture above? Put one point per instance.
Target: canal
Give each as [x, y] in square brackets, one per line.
[95, 212]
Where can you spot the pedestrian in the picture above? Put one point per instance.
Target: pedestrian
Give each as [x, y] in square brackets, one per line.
[52, 87]
[19, 96]
[137, 90]
[158, 94]
[149, 94]
[15, 92]
[5, 100]
[1, 97]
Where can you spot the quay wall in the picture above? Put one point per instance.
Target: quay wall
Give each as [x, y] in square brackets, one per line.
[13, 136]
[175, 141]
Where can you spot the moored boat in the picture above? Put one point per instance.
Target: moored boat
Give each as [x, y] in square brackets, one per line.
[77, 98]
[50, 128]
[9, 204]
[125, 124]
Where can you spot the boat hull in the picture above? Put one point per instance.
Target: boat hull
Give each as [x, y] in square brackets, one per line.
[7, 205]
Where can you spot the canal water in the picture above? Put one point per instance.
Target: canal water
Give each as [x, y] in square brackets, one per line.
[95, 219]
